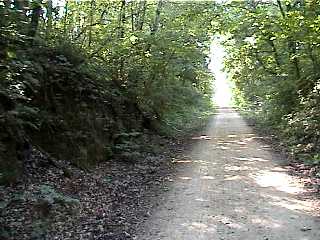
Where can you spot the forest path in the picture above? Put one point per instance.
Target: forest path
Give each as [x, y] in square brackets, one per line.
[233, 187]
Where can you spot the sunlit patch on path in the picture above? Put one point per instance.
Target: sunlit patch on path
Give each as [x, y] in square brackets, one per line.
[202, 137]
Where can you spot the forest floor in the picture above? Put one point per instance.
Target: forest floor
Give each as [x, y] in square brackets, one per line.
[234, 186]
[108, 201]
[225, 184]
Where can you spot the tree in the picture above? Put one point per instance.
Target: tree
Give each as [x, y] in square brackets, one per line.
[274, 62]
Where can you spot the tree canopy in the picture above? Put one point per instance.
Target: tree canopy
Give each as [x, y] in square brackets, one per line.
[273, 61]
[84, 73]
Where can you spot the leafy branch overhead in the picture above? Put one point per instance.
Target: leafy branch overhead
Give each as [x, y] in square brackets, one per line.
[273, 59]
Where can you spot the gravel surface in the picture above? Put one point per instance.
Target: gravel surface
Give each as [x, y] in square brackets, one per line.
[233, 186]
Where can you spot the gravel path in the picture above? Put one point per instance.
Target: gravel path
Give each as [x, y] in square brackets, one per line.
[232, 186]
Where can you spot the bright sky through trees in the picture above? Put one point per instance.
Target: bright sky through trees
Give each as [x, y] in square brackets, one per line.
[222, 95]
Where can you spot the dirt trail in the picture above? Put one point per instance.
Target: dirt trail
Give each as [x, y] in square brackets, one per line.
[233, 188]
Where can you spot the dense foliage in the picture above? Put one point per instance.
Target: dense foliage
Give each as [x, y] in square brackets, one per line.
[273, 60]
[81, 78]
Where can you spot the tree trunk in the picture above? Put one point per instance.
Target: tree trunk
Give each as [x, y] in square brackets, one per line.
[315, 63]
[21, 18]
[122, 19]
[141, 14]
[281, 9]
[35, 17]
[156, 23]
[295, 61]
[49, 18]
[92, 4]
[132, 18]
[275, 52]
[65, 18]
[21, 5]
[7, 4]
[292, 45]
